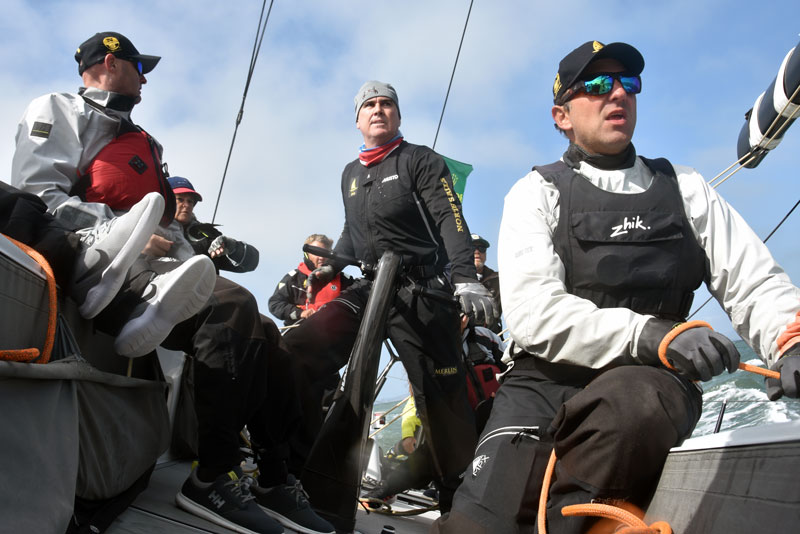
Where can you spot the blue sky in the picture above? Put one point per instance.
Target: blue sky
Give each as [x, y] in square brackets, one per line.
[706, 62]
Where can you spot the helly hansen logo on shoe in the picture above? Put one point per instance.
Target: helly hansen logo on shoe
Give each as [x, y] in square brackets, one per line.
[628, 224]
[216, 499]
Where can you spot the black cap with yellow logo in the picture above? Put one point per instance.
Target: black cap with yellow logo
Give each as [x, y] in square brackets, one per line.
[94, 50]
[574, 63]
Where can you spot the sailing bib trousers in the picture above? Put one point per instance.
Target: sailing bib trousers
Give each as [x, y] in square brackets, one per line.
[611, 439]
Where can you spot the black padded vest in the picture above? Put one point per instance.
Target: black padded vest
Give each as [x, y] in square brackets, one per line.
[635, 251]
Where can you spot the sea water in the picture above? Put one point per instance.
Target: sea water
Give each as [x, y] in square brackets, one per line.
[747, 404]
[744, 395]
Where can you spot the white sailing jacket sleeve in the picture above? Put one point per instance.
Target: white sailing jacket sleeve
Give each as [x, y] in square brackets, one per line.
[546, 321]
[57, 138]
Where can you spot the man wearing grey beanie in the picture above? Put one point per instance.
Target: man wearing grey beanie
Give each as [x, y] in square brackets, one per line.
[400, 197]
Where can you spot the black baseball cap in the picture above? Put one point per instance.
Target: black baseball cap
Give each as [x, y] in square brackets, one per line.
[94, 49]
[478, 241]
[574, 63]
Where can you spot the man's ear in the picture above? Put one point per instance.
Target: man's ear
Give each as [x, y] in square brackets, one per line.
[110, 62]
[561, 118]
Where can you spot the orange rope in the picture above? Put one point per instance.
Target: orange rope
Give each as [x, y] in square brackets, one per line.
[633, 525]
[662, 349]
[29, 355]
[672, 334]
[759, 370]
[548, 477]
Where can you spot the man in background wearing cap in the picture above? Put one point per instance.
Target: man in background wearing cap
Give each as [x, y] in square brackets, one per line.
[85, 158]
[488, 277]
[398, 196]
[601, 253]
[227, 253]
[290, 301]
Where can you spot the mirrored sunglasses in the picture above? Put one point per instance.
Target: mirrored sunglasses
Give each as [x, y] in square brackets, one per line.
[604, 82]
[138, 65]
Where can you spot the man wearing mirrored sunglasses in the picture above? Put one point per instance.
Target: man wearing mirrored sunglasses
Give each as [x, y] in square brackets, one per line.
[601, 253]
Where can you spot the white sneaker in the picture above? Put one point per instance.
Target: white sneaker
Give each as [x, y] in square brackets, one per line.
[168, 299]
[110, 250]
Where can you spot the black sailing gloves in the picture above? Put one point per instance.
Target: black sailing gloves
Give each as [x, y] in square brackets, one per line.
[318, 279]
[693, 349]
[477, 302]
[789, 368]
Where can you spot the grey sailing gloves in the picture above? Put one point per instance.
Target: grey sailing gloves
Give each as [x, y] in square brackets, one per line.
[477, 302]
[693, 349]
[701, 353]
[789, 368]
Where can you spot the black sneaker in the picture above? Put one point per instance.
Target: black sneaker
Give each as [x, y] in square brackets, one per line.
[227, 502]
[378, 496]
[288, 503]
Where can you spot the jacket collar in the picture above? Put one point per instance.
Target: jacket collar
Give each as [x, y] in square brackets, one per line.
[108, 100]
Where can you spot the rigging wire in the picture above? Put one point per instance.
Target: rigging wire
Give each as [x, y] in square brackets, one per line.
[261, 29]
[747, 158]
[765, 240]
[769, 137]
[452, 75]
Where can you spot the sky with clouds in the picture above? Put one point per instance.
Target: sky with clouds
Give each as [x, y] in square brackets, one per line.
[706, 62]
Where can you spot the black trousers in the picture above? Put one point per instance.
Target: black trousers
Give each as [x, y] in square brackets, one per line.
[24, 217]
[242, 373]
[611, 439]
[242, 376]
[425, 334]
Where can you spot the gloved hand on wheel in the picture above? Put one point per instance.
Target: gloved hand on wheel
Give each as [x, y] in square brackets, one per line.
[476, 301]
[318, 279]
[789, 368]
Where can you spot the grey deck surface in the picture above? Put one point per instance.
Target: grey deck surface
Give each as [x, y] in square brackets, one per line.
[155, 511]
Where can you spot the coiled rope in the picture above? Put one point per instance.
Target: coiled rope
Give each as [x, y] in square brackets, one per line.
[632, 524]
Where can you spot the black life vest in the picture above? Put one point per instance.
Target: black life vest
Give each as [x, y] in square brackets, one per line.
[635, 251]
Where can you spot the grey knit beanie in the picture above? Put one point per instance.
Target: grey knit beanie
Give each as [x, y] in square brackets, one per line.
[372, 89]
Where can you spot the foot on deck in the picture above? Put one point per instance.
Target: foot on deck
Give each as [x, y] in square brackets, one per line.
[288, 503]
[227, 502]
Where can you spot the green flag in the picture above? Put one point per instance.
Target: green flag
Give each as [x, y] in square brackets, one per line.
[458, 172]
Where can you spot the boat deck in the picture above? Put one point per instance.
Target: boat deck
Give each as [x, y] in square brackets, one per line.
[154, 510]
